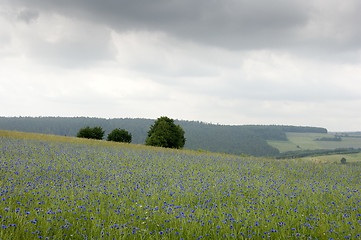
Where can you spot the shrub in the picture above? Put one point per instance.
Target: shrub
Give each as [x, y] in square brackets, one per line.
[164, 133]
[91, 133]
[85, 133]
[120, 135]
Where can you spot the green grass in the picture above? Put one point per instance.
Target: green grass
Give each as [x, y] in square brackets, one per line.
[67, 188]
[306, 141]
[350, 158]
[283, 146]
[347, 142]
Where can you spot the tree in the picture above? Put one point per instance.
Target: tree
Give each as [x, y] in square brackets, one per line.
[85, 133]
[343, 160]
[120, 135]
[165, 133]
[98, 133]
[92, 133]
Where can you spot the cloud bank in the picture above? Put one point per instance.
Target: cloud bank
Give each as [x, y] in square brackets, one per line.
[228, 62]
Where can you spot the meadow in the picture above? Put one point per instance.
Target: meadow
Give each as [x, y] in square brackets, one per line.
[67, 188]
[302, 141]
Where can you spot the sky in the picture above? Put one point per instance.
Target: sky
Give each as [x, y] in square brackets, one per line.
[231, 62]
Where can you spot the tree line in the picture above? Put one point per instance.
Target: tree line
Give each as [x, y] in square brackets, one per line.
[163, 133]
[117, 135]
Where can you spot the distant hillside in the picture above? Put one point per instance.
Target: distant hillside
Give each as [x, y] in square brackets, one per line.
[304, 144]
[244, 139]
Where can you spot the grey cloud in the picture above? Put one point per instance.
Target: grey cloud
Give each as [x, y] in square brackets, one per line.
[5, 39]
[321, 29]
[229, 23]
[70, 45]
[28, 15]
[71, 54]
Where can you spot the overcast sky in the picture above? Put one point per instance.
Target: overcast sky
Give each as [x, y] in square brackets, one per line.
[219, 61]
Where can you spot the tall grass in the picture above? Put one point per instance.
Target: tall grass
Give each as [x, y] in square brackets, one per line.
[52, 189]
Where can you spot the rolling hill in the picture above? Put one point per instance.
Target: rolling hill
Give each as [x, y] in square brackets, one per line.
[255, 140]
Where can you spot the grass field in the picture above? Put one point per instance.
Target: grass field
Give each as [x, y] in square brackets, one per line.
[302, 141]
[67, 188]
[350, 158]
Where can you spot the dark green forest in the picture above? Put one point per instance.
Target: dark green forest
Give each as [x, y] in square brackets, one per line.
[240, 139]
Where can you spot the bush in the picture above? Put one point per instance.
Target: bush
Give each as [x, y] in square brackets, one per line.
[343, 160]
[85, 133]
[120, 135]
[164, 133]
[91, 133]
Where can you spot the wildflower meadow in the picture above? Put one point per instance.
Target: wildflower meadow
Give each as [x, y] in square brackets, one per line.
[96, 190]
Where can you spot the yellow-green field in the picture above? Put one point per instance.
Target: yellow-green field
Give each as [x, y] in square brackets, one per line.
[67, 188]
[350, 158]
[65, 139]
